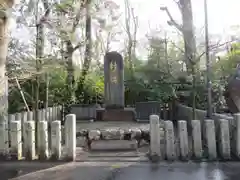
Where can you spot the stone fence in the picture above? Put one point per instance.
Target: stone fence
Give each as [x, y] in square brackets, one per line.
[48, 114]
[35, 142]
[185, 113]
[206, 141]
[84, 112]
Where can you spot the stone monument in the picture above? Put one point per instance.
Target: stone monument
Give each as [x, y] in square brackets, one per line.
[113, 80]
[114, 90]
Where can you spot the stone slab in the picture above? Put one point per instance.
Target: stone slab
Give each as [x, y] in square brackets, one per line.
[116, 115]
[114, 145]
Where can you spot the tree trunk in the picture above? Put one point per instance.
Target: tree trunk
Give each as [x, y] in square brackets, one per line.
[70, 70]
[39, 57]
[188, 33]
[4, 40]
[3, 54]
[88, 46]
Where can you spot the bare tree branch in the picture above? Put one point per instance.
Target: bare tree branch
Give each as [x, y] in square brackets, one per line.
[172, 22]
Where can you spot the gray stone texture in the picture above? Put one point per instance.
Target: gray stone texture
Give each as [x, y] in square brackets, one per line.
[183, 138]
[197, 139]
[211, 139]
[224, 139]
[170, 141]
[113, 91]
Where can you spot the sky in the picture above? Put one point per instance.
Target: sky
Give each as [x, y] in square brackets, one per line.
[222, 14]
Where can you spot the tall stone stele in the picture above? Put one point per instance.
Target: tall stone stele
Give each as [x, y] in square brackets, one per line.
[113, 80]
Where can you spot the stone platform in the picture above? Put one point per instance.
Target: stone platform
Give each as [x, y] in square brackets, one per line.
[126, 114]
[111, 135]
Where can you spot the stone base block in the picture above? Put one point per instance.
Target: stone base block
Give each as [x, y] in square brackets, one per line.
[116, 114]
[114, 145]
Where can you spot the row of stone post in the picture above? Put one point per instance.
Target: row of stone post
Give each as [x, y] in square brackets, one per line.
[27, 148]
[48, 114]
[205, 132]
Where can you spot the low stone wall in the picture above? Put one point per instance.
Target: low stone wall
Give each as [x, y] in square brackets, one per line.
[185, 113]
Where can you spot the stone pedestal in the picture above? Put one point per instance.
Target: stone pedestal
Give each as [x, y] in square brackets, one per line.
[126, 114]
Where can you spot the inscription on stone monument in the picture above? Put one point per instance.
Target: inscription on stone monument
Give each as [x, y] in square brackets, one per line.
[113, 79]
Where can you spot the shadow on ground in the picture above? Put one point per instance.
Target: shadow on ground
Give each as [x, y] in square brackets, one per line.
[9, 170]
[138, 171]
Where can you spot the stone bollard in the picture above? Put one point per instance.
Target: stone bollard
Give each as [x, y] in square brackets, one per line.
[237, 136]
[39, 118]
[30, 116]
[224, 139]
[70, 130]
[56, 137]
[197, 139]
[183, 138]
[43, 112]
[24, 119]
[47, 114]
[29, 145]
[59, 109]
[43, 140]
[155, 151]
[211, 139]
[16, 144]
[11, 117]
[4, 141]
[53, 114]
[50, 114]
[18, 117]
[39, 115]
[170, 140]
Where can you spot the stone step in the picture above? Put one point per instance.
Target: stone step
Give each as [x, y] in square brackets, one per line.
[103, 145]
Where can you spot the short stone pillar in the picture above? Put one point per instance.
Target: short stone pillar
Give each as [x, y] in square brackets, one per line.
[43, 140]
[197, 139]
[53, 113]
[224, 139]
[237, 135]
[183, 138]
[18, 117]
[70, 130]
[170, 140]
[39, 115]
[29, 144]
[16, 143]
[211, 139]
[56, 139]
[24, 119]
[4, 141]
[155, 151]
[30, 116]
[11, 117]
